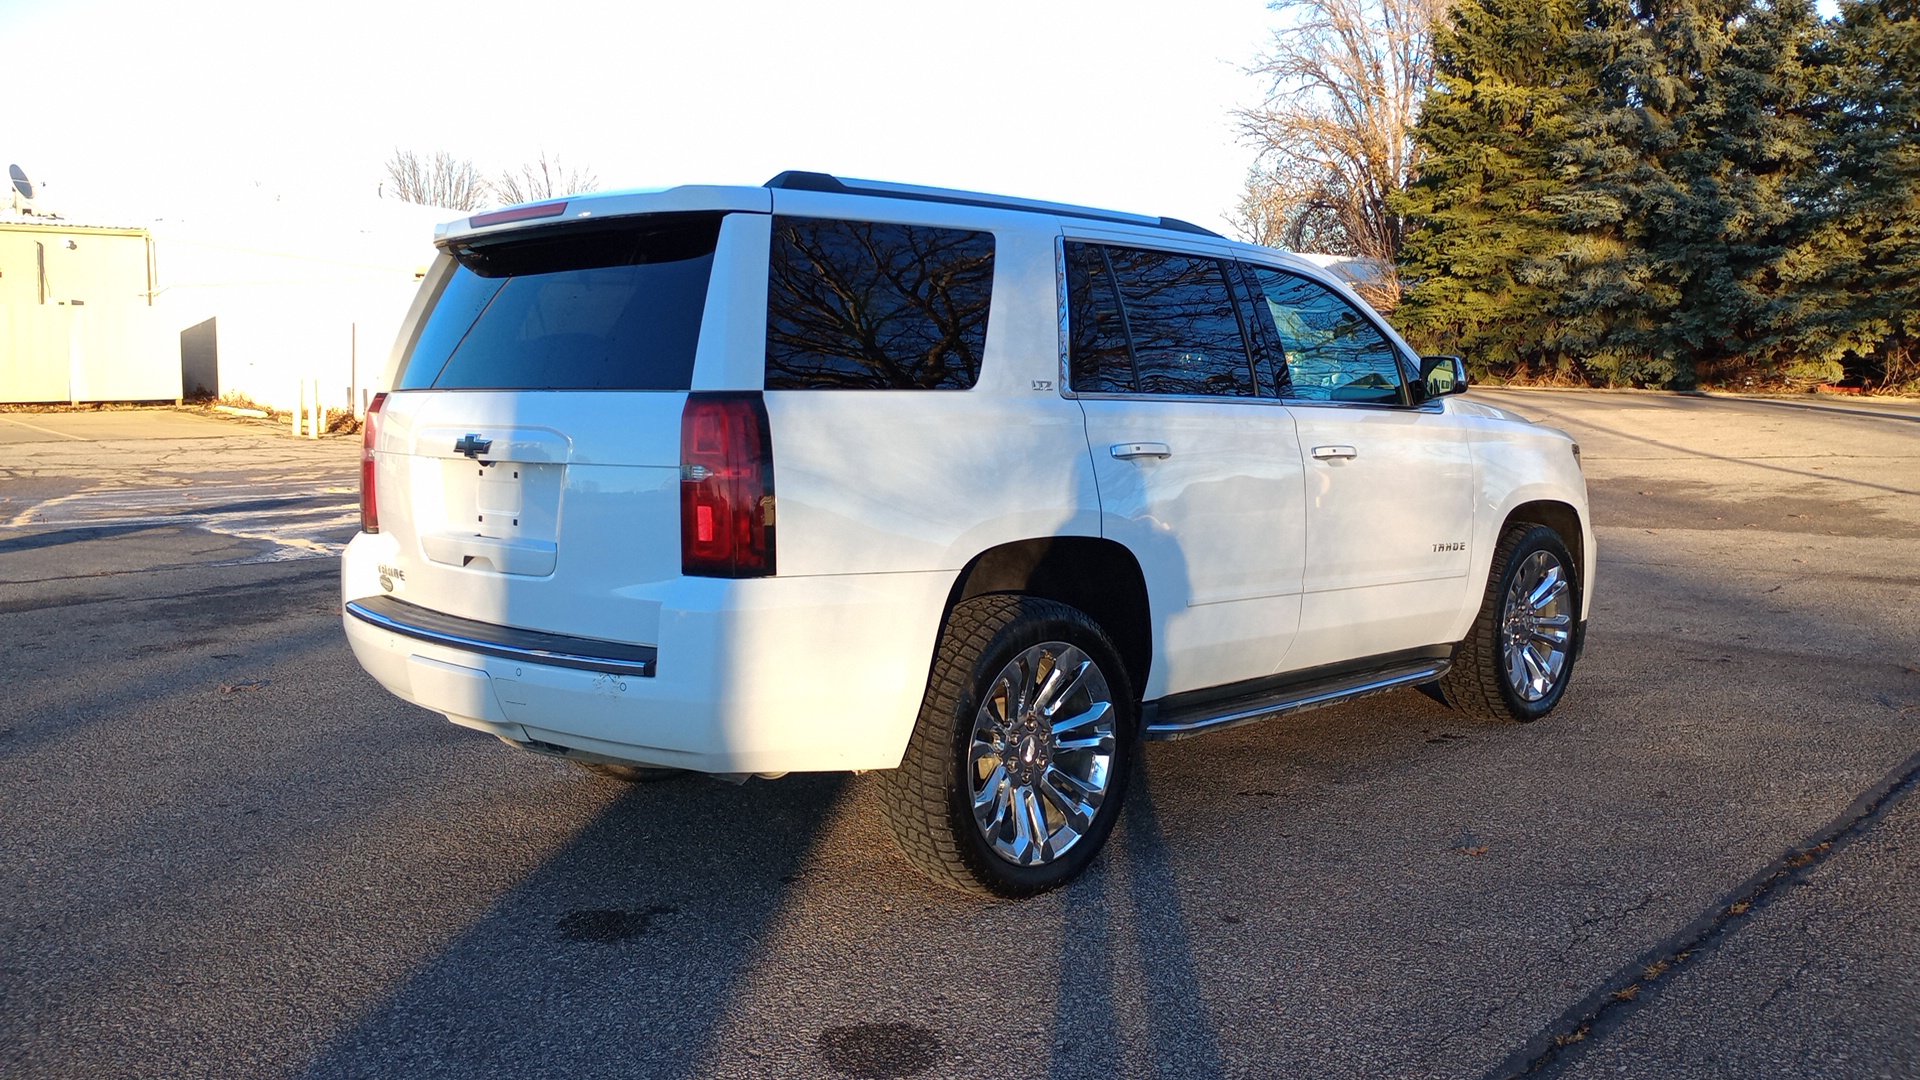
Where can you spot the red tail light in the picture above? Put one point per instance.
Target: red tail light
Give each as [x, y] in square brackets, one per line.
[369, 504]
[726, 486]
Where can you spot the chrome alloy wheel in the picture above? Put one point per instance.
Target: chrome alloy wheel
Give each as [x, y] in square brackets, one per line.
[1040, 761]
[1536, 626]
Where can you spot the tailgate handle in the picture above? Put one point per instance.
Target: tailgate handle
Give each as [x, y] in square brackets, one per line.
[1127, 450]
[1331, 453]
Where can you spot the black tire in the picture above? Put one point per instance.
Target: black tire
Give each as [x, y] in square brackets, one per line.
[632, 774]
[1478, 683]
[928, 801]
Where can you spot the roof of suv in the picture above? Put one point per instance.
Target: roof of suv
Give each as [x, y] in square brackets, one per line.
[713, 197]
[813, 181]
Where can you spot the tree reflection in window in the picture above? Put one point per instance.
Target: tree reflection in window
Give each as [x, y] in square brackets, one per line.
[858, 305]
[1097, 356]
[1333, 352]
[1179, 334]
[1186, 336]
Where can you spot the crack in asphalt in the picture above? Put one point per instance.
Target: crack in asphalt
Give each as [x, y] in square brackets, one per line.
[1783, 986]
[1815, 406]
[1634, 986]
[1583, 931]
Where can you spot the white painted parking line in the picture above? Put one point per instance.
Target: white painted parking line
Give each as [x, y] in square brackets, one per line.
[300, 520]
[43, 431]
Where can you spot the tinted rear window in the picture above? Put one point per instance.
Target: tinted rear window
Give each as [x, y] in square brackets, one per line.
[861, 305]
[1152, 322]
[611, 306]
[1180, 317]
[1099, 359]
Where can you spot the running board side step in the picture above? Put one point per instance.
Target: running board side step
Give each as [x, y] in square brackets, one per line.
[1168, 718]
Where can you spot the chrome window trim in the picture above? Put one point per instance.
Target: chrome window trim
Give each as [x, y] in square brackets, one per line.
[1429, 406]
[1433, 406]
[1060, 298]
[1211, 399]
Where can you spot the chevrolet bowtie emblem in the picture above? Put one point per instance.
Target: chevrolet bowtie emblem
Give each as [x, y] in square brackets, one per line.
[473, 446]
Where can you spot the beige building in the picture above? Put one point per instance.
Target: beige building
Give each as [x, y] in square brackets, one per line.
[77, 315]
[249, 298]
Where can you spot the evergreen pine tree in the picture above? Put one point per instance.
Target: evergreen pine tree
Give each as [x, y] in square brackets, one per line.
[1757, 146]
[1684, 212]
[1861, 268]
[1478, 253]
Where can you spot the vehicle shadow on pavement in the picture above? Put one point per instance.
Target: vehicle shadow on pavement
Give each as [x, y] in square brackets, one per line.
[616, 957]
[642, 947]
[1124, 950]
[74, 535]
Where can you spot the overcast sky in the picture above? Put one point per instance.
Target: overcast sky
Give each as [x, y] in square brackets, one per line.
[139, 107]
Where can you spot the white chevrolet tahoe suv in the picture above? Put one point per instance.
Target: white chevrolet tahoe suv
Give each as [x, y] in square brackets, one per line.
[979, 492]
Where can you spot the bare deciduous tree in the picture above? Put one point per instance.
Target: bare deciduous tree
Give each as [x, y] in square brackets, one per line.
[1288, 210]
[543, 179]
[1335, 131]
[439, 180]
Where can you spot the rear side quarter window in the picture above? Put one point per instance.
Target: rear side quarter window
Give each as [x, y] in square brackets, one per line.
[861, 305]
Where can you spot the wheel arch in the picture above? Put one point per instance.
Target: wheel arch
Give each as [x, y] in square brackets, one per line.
[1096, 575]
[1562, 518]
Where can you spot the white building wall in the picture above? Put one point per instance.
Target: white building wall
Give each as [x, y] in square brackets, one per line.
[297, 294]
[75, 324]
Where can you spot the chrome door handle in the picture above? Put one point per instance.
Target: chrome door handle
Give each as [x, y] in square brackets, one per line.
[1329, 453]
[1127, 450]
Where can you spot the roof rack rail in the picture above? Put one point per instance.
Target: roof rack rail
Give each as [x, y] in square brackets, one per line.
[796, 180]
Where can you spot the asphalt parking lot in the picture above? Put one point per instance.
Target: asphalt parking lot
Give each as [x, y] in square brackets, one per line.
[228, 853]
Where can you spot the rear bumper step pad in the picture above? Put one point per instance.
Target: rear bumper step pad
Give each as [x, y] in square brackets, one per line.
[506, 642]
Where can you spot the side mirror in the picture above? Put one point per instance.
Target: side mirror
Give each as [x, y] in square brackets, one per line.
[1444, 375]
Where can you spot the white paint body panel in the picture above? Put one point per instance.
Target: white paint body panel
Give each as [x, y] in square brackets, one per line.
[1381, 571]
[762, 675]
[1217, 525]
[1518, 462]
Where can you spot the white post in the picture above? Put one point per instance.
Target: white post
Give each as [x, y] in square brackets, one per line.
[353, 369]
[319, 412]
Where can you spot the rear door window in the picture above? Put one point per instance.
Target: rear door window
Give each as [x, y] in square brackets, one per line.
[862, 305]
[1153, 322]
[612, 306]
[1269, 358]
[1099, 360]
[1180, 317]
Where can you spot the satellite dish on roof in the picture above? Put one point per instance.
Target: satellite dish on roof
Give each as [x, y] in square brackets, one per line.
[27, 198]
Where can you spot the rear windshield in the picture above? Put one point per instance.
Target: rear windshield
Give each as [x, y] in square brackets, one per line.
[610, 306]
